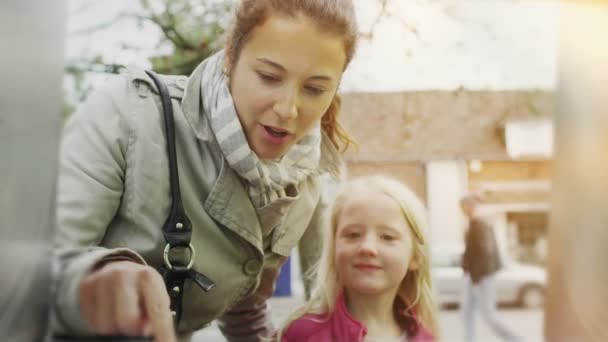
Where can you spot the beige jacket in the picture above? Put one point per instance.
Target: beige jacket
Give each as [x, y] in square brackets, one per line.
[113, 196]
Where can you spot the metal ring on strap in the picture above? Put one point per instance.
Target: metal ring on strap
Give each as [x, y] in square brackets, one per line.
[166, 256]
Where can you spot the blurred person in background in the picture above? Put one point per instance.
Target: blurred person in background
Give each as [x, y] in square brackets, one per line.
[480, 262]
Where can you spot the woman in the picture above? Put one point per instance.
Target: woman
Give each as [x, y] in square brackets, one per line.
[255, 126]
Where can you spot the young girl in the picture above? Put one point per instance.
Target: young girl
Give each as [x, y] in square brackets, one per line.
[373, 282]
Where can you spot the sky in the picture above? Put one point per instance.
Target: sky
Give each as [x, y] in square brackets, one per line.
[471, 44]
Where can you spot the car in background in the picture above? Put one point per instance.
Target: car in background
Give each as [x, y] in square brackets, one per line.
[516, 283]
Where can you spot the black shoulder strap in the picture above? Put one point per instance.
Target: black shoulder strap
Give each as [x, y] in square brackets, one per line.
[177, 228]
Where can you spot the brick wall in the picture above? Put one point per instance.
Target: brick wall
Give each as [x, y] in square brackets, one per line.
[412, 174]
[437, 124]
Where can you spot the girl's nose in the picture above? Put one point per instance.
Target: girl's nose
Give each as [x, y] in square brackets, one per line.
[368, 246]
[285, 107]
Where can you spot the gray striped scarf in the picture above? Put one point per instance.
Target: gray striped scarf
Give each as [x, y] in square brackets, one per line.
[266, 180]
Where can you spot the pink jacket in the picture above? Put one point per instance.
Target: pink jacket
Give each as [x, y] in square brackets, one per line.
[337, 326]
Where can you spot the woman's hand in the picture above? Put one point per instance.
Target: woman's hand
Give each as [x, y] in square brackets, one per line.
[127, 298]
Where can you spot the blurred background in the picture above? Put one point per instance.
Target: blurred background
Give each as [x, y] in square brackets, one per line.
[501, 97]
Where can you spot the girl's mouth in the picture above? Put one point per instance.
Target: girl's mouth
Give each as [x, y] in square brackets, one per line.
[367, 267]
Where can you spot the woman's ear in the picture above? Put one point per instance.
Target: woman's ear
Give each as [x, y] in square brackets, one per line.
[226, 67]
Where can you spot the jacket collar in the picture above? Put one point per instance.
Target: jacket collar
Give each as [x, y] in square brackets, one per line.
[228, 202]
[344, 322]
[341, 311]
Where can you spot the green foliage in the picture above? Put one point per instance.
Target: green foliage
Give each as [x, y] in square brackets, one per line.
[194, 29]
[190, 30]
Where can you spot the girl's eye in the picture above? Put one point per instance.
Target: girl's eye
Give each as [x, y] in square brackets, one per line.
[268, 78]
[352, 235]
[315, 91]
[387, 237]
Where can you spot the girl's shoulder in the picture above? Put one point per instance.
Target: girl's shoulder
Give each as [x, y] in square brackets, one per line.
[423, 335]
[305, 327]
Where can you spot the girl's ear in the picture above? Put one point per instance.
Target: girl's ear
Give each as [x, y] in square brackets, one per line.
[414, 263]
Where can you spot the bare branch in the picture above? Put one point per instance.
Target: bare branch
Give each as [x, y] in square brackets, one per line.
[370, 34]
[79, 67]
[386, 13]
[185, 44]
[168, 29]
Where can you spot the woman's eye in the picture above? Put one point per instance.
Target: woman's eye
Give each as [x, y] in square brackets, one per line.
[267, 77]
[316, 91]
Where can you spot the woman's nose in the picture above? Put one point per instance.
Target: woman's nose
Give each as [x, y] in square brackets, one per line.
[286, 105]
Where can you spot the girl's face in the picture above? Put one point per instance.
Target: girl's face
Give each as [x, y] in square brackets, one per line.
[283, 82]
[373, 244]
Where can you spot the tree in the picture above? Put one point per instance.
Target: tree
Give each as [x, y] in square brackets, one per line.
[188, 32]
[193, 28]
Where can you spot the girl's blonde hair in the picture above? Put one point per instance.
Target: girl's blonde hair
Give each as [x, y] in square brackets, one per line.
[333, 16]
[416, 288]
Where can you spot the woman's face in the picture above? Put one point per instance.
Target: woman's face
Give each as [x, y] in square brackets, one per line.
[283, 82]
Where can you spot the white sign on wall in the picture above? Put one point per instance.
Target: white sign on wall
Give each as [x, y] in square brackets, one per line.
[529, 138]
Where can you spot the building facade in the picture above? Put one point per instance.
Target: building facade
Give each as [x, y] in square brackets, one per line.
[444, 144]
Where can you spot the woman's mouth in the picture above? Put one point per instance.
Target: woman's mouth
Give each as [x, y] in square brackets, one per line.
[275, 135]
[276, 132]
